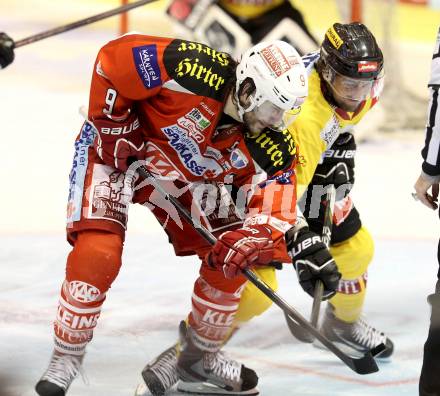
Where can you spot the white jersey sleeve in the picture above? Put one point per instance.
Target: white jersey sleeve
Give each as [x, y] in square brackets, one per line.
[430, 153]
[434, 81]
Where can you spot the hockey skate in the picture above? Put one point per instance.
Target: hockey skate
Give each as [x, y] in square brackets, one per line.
[353, 338]
[212, 373]
[199, 372]
[160, 375]
[62, 370]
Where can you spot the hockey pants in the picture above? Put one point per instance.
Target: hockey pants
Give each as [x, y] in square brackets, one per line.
[429, 379]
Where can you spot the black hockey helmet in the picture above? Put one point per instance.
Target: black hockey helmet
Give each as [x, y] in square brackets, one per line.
[351, 65]
[352, 51]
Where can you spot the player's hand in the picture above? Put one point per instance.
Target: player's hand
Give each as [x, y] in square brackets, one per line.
[119, 141]
[312, 262]
[242, 248]
[422, 187]
[337, 166]
[6, 50]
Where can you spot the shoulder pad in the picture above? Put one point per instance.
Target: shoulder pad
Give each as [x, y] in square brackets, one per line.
[309, 60]
[200, 69]
[273, 151]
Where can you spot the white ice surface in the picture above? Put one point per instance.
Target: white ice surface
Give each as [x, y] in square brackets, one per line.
[151, 295]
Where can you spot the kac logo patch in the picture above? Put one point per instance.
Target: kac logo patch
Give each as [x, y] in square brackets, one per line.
[145, 59]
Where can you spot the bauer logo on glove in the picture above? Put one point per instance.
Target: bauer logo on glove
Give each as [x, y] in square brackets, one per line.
[312, 261]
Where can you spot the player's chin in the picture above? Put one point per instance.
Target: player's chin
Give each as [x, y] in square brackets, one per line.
[257, 127]
[350, 105]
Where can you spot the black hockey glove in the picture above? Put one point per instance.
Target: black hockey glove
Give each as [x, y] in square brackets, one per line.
[312, 261]
[6, 50]
[337, 166]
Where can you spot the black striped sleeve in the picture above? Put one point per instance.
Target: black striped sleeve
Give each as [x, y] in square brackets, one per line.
[434, 80]
[430, 153]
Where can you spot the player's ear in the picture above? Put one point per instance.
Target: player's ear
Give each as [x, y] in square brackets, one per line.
[245, 91]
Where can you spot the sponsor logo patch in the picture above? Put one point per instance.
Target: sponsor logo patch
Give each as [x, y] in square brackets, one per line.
[74, 321]
[195, 123]
[159, 164]
[284, 178]
[110, 194]
[199, 68]
[199, 119]
[339, 154]
[78, 172]
[145, 59]
[83, 292]
[353, 286]
[273, 151]
[218, 319]
[334, 38]
[331, 131]
[275, 60]
[186, 148]
[122, 130]
[189, 152]
[191, 128]
[367, 67]
[238, 159]
[217, 155]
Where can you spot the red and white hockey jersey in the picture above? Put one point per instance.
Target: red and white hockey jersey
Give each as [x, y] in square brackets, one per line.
[177, 89]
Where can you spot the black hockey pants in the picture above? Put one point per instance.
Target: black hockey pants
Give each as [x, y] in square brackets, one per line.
[430, 379]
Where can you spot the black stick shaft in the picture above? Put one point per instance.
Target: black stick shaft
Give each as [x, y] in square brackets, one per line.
[297, 330]
[82, 22]
[326, 238]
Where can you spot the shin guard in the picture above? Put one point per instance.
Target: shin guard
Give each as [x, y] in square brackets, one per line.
[92, 266]
[213, 312]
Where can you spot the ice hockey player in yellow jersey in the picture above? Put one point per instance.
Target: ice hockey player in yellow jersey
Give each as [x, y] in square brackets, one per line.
[345, 81]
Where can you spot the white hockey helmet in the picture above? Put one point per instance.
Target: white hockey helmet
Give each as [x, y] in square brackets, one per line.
[280, 79]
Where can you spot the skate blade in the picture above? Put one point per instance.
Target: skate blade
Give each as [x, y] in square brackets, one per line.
[206, 389]
[142, 390]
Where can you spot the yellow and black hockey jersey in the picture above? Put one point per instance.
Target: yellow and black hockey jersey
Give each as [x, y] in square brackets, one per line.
[319, 124]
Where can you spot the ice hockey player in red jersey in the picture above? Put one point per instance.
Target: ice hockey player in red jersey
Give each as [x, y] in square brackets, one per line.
[196, 117]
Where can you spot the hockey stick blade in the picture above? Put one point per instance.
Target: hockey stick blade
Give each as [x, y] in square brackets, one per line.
[297, 331]
[363, 365]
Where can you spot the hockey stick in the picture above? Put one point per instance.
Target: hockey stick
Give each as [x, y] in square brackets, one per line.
[297, 330]
[364, 365]
[82, 22]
